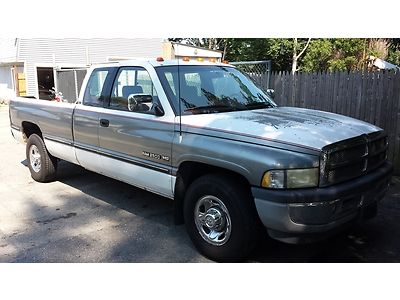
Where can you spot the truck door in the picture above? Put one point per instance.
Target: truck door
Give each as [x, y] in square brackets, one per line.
[135, 142]
[86, 119]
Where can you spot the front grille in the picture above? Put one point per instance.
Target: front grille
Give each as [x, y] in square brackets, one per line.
[341, 156]
[352, 158]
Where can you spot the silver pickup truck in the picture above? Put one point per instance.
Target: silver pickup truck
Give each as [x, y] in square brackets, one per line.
[205, 135]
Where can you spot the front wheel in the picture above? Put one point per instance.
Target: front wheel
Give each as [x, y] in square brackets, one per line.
[221, 218]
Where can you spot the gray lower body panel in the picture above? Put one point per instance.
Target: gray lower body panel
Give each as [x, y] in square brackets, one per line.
[320, 210]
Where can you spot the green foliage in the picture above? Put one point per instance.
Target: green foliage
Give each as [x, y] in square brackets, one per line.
[321, 55]
[317, 56]
[347, 54]
[246, 49]
[394, 57]
[280, 52]
[337, 54]
[394, 52]
[333, 55]
[277, 50]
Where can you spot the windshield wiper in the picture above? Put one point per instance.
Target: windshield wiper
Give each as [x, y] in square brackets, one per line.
[212, 108]
[259, 105]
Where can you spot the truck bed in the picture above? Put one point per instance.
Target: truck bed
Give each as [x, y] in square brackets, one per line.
[54, 118]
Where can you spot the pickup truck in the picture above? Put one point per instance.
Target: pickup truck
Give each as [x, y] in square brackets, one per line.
[203, 134]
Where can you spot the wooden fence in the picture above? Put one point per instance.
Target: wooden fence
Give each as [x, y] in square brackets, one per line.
[370, 96]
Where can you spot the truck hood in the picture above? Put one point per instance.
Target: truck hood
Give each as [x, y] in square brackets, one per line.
[297, 126]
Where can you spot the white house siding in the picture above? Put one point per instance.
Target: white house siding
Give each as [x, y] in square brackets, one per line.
[8, 50]
[72, 52]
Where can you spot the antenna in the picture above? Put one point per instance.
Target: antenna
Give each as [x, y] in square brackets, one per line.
[179, 102]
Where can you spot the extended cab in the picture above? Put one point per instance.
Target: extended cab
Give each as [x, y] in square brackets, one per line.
[206, 136]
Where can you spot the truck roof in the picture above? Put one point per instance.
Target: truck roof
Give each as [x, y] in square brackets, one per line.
[156, 63]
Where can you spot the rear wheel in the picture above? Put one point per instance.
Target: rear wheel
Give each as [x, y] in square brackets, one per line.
[221, 218]
[41, 163]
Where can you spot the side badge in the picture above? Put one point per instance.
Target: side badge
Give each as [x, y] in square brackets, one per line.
[155, 156]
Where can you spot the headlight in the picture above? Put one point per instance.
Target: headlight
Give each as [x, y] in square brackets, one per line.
[292, 178]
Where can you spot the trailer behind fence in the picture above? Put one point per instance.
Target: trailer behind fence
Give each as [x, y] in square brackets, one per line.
[69, 82]
[373, 97]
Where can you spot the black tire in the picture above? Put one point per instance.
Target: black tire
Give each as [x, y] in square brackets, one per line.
[48, 164]
[245, 224]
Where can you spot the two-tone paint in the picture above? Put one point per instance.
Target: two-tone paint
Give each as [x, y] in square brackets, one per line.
[147, 150]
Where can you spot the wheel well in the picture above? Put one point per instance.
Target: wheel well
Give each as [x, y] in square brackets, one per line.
[29, 128]
[190, 171]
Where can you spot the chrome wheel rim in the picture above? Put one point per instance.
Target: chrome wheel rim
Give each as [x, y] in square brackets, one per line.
[212, 220]
[35, 158]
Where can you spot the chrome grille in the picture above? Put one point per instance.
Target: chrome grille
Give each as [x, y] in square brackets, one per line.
[352, 158]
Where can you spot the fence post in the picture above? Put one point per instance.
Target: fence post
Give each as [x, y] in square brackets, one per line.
[396, 140]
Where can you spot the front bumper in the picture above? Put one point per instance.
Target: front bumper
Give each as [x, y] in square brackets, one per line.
[297, 212]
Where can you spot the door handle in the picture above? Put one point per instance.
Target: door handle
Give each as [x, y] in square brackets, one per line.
[104, 123]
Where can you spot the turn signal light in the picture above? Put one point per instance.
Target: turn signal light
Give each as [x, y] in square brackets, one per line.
[185, 58]
[225, 62]
[160, 59]
[213, 60]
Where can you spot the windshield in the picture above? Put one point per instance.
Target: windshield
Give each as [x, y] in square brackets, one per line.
[211, 89]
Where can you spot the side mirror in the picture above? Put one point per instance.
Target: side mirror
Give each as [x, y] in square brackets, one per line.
[271, 93]
[158, 110]
[135, 101]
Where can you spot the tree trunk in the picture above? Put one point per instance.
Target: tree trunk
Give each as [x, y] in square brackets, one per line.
[225, 48]
[212, 43]
[297, 56]
[294, 57]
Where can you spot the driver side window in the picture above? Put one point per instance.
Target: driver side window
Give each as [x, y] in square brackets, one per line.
[133, 90]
